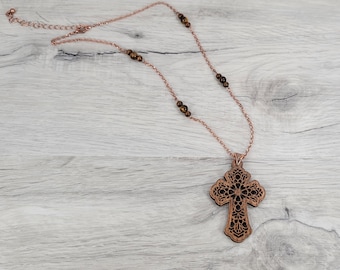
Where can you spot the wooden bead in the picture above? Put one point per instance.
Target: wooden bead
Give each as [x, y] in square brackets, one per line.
[180, 15]
[139, 58]
[225, 84]
[183, 108]
[223, 79]
[187, 114]
[133, 55]
[187, 25]
[179, 103]
[218, 76]
[128, 52]
[184, 20]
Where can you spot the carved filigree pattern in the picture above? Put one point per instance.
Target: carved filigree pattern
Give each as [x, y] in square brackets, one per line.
[237, 190]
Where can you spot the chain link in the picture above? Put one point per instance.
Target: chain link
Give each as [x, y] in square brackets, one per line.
[81, 29]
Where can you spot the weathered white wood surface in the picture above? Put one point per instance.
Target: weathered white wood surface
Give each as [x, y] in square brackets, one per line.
[99, 170]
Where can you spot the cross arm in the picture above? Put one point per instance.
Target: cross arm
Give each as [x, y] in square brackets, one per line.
[255, 193]
[220, 192]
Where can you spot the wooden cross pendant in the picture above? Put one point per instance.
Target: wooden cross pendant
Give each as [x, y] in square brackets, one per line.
[237, 190]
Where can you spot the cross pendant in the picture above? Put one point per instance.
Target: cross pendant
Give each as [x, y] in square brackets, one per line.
[237, 190]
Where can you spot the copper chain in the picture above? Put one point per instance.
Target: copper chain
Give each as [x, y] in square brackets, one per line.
[80, 29]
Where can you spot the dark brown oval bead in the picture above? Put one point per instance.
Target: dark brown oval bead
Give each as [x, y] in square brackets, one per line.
[180, 15]
[187, 114]
[139, 58]
[129, 52]
[223, 79]
[187, 25]
[184, 20]
[218, 76]
[179, 103]
[133, 55]
[183, 108]
[225, 84]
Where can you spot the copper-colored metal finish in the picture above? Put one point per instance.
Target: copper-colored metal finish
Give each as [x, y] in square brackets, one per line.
[81, 29]
[165, 81]
[12, 19]
[218, 139]
[235, 188]
[238, 191]
[10, 12]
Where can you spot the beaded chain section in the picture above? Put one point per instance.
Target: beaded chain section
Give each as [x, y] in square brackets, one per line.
[235, 187]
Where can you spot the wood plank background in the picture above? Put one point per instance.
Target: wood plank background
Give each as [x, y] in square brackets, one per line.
[99, 170]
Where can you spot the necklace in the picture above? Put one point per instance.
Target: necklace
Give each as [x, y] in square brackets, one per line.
[235, 187]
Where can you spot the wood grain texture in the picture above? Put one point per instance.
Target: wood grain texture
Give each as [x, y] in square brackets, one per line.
[99, 170]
